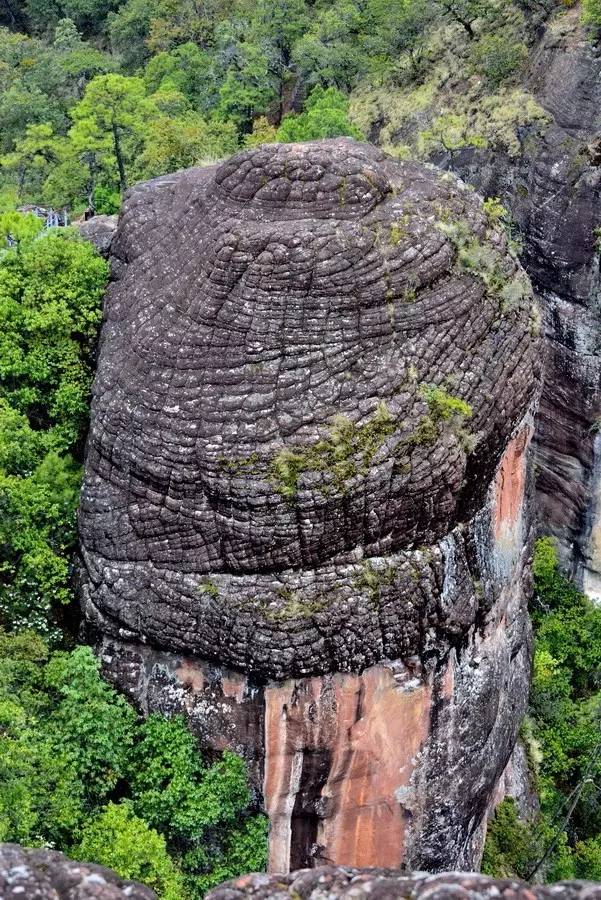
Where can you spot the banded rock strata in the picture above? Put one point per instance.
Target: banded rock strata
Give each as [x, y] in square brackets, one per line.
[304, 517]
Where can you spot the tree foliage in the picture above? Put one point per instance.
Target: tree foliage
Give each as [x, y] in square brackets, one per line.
[50, 294]
[325, 116]
[565, 716]
[79, 770]
[98, 94]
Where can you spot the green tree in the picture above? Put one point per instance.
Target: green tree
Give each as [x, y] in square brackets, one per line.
[109, 120]
[120, 840]
[186, 69]
[325, 116]
[64, 739]
[78, 769]
[200, 810]
[276, 27]
[128, 29]
[332, 53]
[565, 710]
[88, 15]
[50, 293]
[173, 143]
[262, 133]
[247, 88]
[31, 158]
[89, 722]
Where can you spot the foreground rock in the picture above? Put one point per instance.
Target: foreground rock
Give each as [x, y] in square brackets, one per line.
[382, 884]
[303, 519]
[48, 875]
[100, 231]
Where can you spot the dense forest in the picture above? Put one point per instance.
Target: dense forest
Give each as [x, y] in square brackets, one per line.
[96, 95]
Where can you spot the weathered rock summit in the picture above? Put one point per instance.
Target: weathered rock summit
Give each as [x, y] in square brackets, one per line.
[303, 517]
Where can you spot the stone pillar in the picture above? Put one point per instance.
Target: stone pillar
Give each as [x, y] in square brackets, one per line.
[303, 521]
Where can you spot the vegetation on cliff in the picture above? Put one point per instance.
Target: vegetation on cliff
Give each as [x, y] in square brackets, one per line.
[50, 294]
[80, 772]
[562, 736]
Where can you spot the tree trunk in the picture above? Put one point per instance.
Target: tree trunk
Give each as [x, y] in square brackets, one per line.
[119, 156]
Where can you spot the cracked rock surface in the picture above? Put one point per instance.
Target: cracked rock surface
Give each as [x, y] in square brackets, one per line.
[312, 360]
[385, 884]
[48, 875]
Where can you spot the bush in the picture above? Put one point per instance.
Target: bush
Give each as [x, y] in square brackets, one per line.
[498, 56]
[51, 287]
[565, 711]
[199, 809]
[325, 116]
[120, 840]
[79, 771]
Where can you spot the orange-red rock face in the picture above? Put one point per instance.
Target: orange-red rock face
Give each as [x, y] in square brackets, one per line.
[339, 754]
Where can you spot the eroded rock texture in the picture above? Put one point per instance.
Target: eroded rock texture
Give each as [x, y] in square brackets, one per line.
[48, 875]
[305, 485]
[382, 884]
[553, 191]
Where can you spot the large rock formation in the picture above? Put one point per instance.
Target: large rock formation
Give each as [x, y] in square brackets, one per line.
[553, 190]
[303, 517]
[48, 875]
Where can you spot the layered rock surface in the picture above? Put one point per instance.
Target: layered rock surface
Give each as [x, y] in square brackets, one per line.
[382, 884]
[48, 875]
[303, 518]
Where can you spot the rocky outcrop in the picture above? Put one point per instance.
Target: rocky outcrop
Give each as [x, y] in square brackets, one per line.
[48, 875]
[100, 231]
[553, 190]
[303, 521]
[383, 884]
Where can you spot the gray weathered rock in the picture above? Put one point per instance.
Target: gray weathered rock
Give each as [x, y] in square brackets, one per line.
[48, 875]
[553, 191]
[100, 231]
[385, 884]
[262, 455]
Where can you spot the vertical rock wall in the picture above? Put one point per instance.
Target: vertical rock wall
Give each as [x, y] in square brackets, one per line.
[304, 521]
[553, 191]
